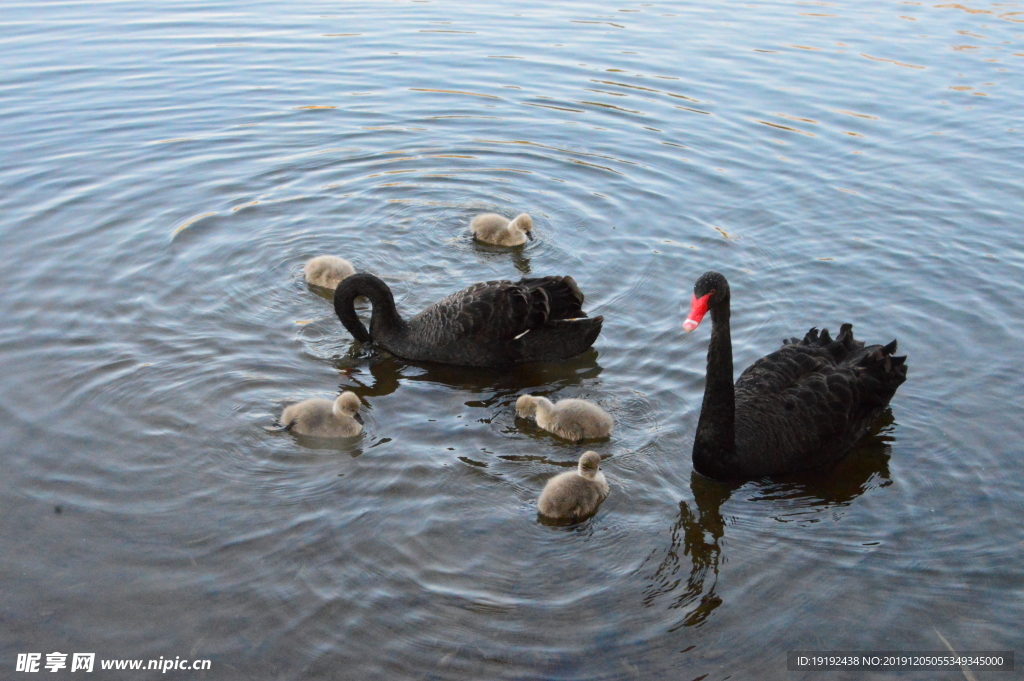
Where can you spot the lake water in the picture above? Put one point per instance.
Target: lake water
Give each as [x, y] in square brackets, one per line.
[167, 170]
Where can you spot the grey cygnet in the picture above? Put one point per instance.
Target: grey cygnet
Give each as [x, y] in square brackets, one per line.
[572, 419]
[498, 230]
[324, 418]
[575, 495]
[327, 271]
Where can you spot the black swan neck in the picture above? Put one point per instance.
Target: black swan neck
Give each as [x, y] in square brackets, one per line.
[714, 448]
[384, 320]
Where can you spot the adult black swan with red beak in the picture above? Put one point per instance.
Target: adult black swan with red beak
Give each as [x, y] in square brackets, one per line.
[491, 324]
[803, 406]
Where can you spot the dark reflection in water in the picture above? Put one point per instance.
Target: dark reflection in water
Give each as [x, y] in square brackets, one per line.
[387, 373]
[699, 531]
[581, 527]
[517, 254]
[353, 446]
[865, 467]
[696, 535]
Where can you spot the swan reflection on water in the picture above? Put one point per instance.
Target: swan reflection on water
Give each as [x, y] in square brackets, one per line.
[371, 373]
[517, 254]
[387, 372]
[801, 497]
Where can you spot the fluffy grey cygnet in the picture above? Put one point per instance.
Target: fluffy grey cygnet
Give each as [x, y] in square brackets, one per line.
[574, 495]
[324, 418]
[572, 419]
[327, 271]
[498, 230]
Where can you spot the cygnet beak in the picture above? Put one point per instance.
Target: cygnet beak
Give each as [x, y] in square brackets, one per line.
[529, 235]
[358, 417]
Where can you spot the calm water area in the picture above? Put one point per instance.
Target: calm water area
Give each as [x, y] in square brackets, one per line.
[168, 167]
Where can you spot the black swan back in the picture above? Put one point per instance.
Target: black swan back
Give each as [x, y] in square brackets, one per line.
[807, 404]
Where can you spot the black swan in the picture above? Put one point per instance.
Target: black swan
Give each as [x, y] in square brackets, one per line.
[491, 324]
[803, 406]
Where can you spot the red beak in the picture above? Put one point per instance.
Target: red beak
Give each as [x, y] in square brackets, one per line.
[698, 308]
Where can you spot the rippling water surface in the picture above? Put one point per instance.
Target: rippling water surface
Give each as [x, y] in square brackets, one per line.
[167, 170]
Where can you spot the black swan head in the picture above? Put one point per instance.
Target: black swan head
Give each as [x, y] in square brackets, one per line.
[384, 319]
[711, 292]
[803, 406]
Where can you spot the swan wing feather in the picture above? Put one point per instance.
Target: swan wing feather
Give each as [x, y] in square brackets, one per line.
[492, 310]
[564, 296]
[814, 397]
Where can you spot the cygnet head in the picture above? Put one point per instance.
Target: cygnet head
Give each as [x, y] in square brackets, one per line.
[522, 223]
[327, 271]
[347, 404]
[590, 464]
[526, 406]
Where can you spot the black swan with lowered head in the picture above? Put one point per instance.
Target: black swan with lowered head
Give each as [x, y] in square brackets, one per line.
[491, 324]
[803, 406]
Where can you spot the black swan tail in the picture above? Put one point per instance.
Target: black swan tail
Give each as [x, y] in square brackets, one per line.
[879, 372]
[841, 347]
[540, 308]
[882, 372]
[560, 339]
[565, 299]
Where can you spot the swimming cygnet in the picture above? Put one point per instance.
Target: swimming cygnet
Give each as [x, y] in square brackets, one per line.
[327, 271]
[572, 419]
[574, 495]
[495, 229]
[324, 418]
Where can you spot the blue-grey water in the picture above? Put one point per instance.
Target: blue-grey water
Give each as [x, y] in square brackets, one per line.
[168, 167]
